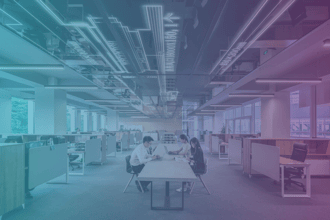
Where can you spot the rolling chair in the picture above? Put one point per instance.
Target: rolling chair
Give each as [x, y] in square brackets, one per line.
[199, 176]
[129, 170]
[299, 153]
[71, 159]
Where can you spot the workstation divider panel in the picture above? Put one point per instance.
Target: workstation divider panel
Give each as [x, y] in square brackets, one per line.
[235, 151]
[92, 150]
[266, 160]
[46, 163]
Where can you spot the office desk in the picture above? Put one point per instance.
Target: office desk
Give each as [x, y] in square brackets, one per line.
[82, 153]
[167, 170]
[285, 162]
[266, 160]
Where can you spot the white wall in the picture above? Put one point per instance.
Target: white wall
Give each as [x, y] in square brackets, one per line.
[152, 124]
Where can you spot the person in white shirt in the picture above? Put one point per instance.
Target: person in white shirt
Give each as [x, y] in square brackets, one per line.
[139, 158]
[185, 147]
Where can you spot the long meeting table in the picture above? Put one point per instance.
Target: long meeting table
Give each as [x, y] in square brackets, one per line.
[167, 170]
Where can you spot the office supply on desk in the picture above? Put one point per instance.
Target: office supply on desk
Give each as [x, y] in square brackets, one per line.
[130, 171]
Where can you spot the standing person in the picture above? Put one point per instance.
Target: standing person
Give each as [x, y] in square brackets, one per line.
[139, 158]
[185, 147]
[197, 160]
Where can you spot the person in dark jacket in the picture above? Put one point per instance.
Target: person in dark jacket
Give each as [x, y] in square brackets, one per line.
[196, 161]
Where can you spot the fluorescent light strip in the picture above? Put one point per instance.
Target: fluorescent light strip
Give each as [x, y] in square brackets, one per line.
[252, 95]
[225, 105]
[72, 87]
[18, 23]
[32, 67]
[102, 100]
[288, 80]
[205, 113]
[210, 110]
[139, 117]
[220, 83]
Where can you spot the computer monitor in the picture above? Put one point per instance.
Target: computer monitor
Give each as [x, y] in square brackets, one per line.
[14, 139]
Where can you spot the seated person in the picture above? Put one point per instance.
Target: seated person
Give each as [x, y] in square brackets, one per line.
[196, 161]
[185, 147]
[139, 158]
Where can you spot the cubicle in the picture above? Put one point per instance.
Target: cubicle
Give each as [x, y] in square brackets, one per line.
[111, 144]
[235, 151]
[44, 163]
[12, 193]
[92, 151]
[318, 153]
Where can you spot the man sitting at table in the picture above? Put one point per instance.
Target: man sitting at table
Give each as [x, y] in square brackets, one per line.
[185, 147]
[139, 158]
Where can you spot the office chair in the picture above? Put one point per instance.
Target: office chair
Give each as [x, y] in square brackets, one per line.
[129, 170]
[299, 153]
[71, 159]
[199, 176]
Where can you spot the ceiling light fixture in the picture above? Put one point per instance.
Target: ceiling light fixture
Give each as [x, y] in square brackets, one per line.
[220, 83]
[102, 100]
[288, 80]
[326, 43]
[252, 95]
[32, 67]
[205, 113]
[139, 117]
[225, 105]
[210, 110]
[72, 87]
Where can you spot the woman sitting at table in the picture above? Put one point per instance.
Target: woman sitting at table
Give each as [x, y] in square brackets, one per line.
[196, 161]
[185, 147]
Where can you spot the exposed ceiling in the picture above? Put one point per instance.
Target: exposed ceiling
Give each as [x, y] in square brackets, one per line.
[152, 55]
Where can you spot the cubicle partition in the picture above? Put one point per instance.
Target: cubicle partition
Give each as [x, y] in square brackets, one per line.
[111, 144]
[318, 152]
[131, 139]
[46, 163]
[92, 150]
[12, 177]
[235, 151]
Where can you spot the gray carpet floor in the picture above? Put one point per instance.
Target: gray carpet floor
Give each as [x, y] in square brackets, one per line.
[99, 195]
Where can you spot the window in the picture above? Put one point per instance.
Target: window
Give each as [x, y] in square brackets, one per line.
[19, 116]
[248, 110]
[238, 112]
[257, 117]
[245, 126]
[323, 120]
[300, 113]
[230, 126]
[237, 126]
[94, 117]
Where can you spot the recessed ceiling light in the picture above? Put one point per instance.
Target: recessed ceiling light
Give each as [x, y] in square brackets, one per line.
[252, 95]
[220, 83]
[225, 105]
[288, 80]
[32, 67]
[72, 87]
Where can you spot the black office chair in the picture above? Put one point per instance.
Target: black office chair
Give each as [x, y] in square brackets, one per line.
[299, 153]
[71, 159]
[199, 174]
[129, 170]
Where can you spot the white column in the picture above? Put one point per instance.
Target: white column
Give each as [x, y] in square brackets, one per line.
[112, 120]
[30, 117]
[5, 112]
[89, 121]
[313, 115]
[98, 126]
[50, 111]
[275, 116]
[78, 119]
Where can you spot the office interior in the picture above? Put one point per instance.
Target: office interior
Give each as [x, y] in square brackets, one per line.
[83, 82]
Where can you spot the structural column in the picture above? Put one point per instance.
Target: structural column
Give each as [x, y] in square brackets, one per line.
[78, 119]
[275, 116]
[50, 111]
[112, 120]
[98, 122]
[5, 112]
[89, 121]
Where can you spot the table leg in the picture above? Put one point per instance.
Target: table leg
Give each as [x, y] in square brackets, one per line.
[282, 180]
[167, 202]
[308, 181]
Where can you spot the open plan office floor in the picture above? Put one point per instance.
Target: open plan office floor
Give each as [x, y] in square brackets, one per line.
[99, 195]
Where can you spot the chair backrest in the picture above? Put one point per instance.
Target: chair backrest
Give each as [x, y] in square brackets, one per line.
[299, 152]
[205, 166]
[129, 168]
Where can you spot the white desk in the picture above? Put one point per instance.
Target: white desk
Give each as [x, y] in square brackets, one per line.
[285, 162]
[167, 170]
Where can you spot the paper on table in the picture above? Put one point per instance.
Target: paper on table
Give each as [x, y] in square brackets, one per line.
[180, 159]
